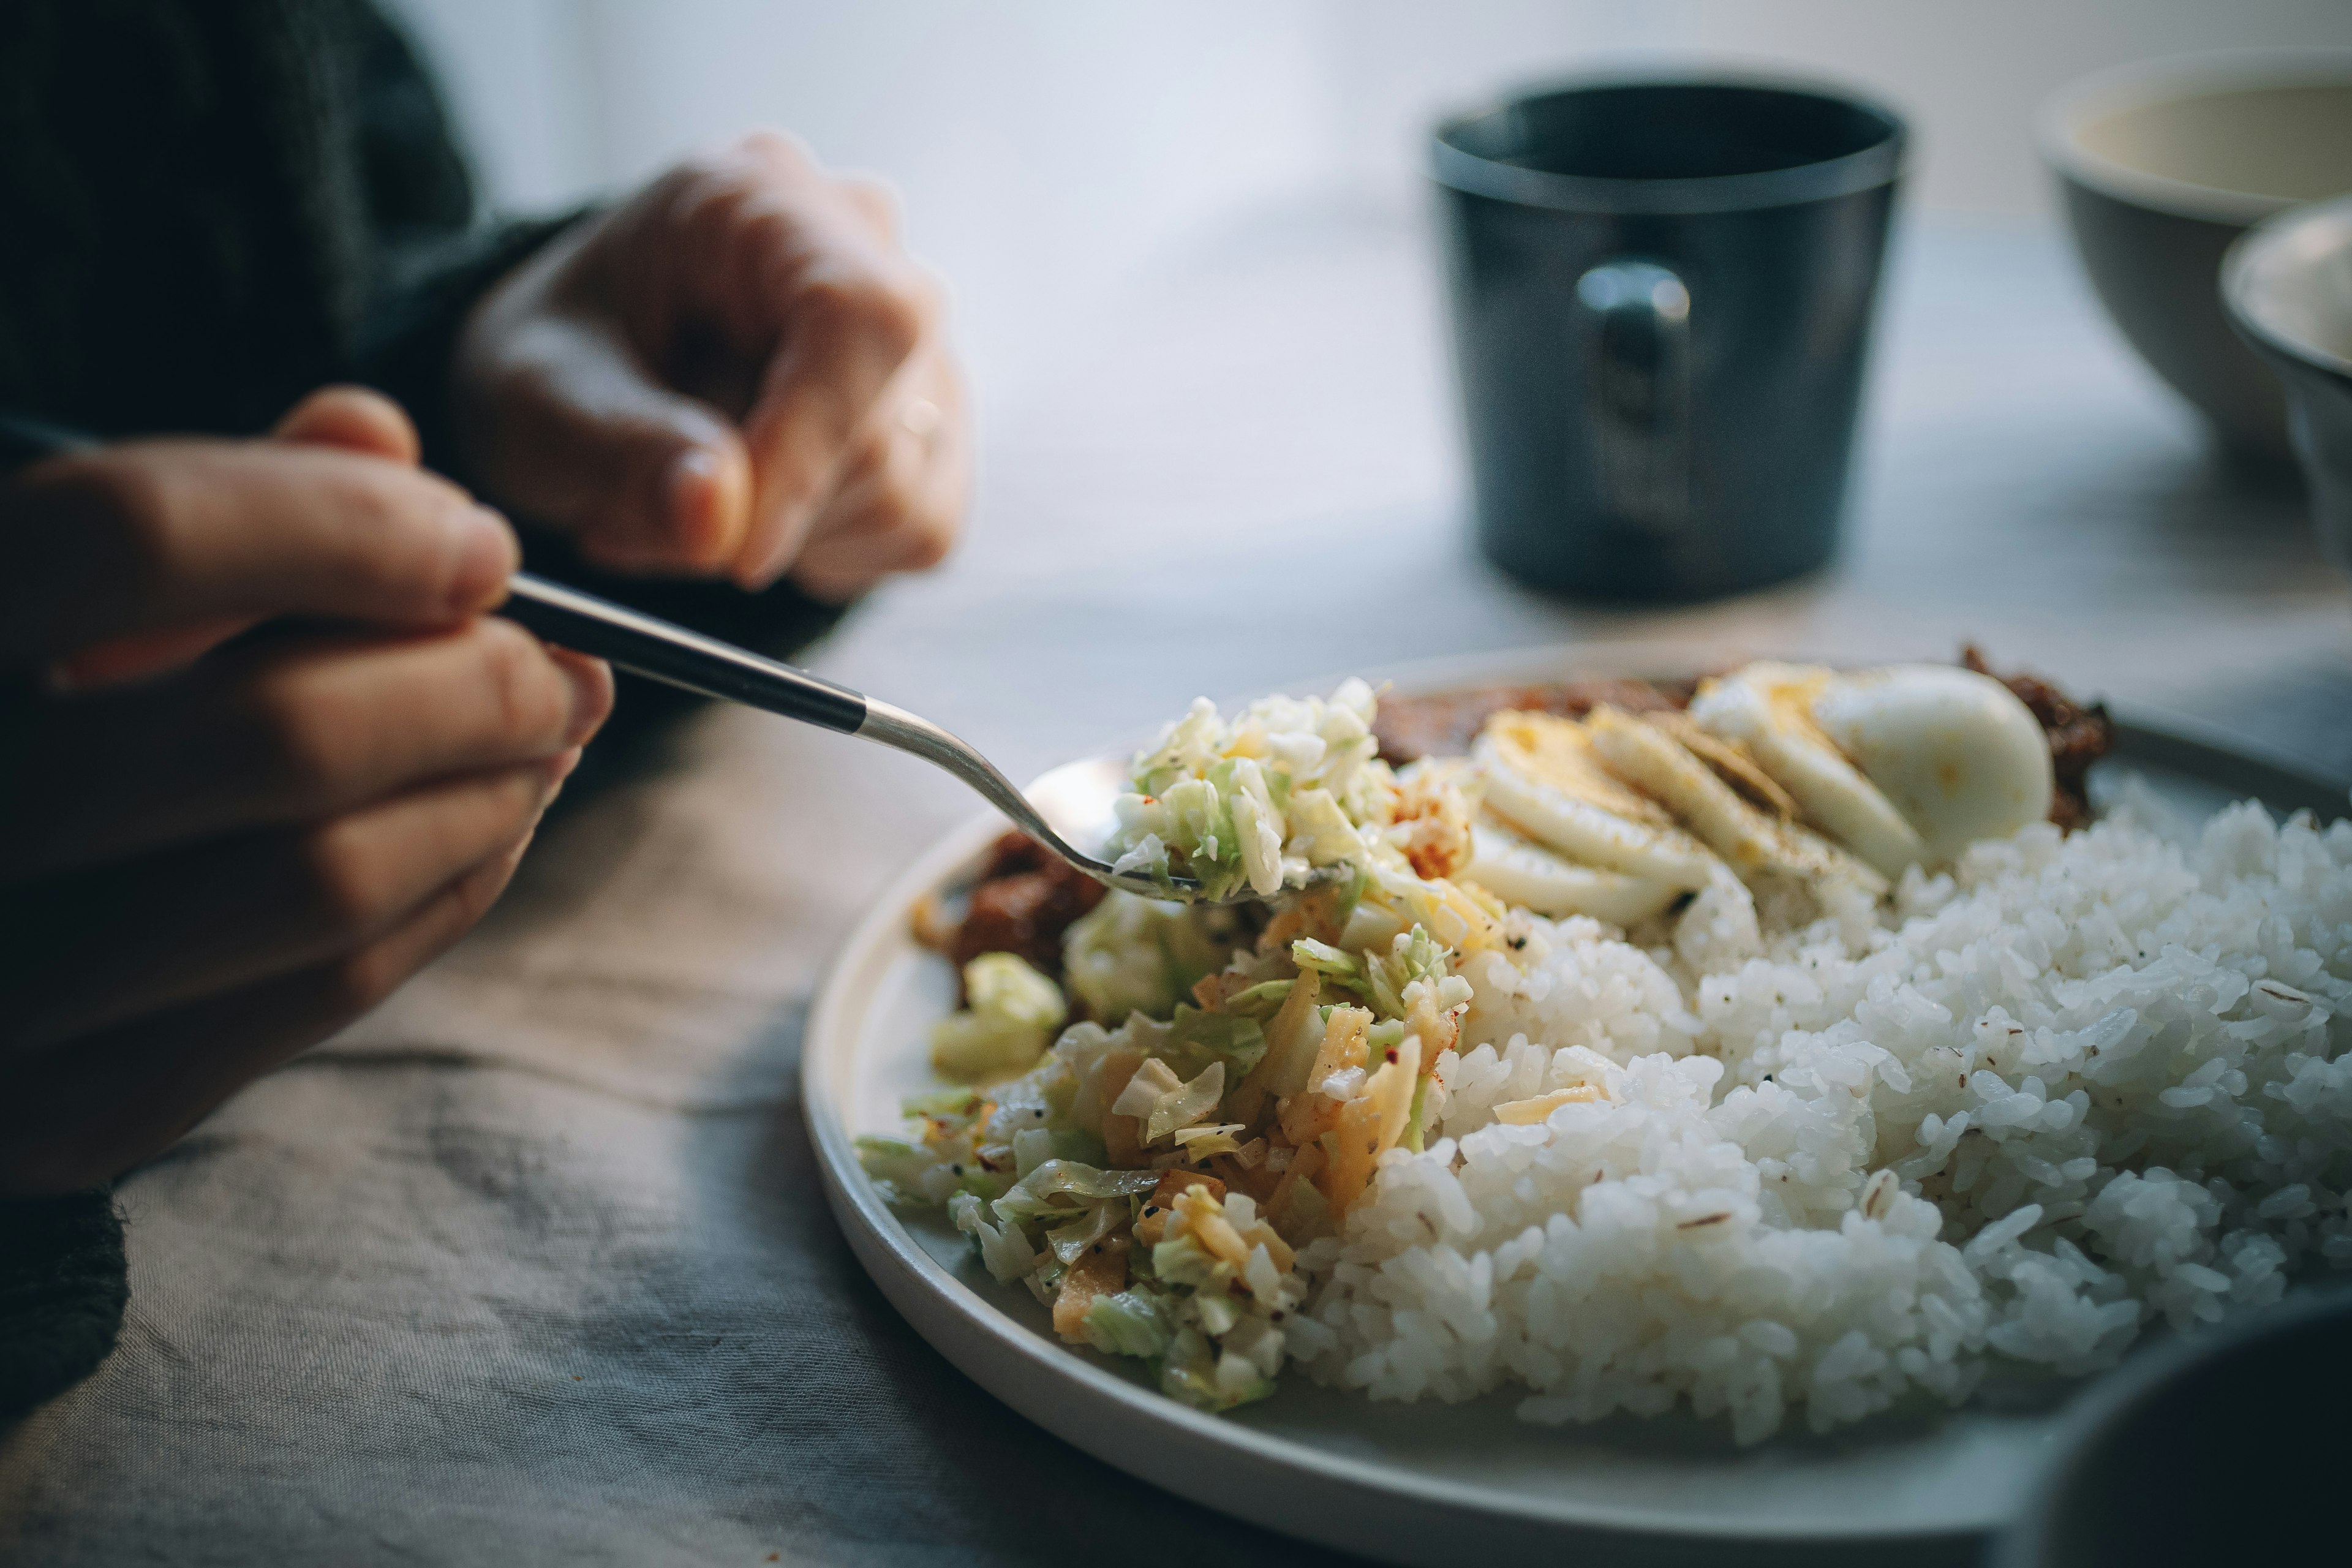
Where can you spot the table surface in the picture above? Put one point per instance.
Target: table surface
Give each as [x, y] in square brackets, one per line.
[531, 1265]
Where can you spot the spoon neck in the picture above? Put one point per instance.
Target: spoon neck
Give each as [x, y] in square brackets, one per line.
[890, 725]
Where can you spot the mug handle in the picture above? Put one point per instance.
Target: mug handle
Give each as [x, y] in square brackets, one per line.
[1641, 382]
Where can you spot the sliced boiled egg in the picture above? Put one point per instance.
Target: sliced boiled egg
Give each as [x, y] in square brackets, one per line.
[1528, 874]
[1910, 762]
[1541, 777]
[1956, 751]
[1652, 757]
[1768, 709]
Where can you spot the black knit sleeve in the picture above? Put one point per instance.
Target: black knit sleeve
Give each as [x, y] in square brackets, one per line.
[411, 333]
[62, 1292]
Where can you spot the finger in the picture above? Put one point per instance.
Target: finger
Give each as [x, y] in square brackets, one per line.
[894, 515]
[876, 203]
[353, 419]
[82, 1113]
[150, 536]
[291, 733]
[173, 928]
[852, 315]
[589, 440]
[904, 500]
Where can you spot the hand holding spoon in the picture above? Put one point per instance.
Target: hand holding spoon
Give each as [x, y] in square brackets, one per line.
[1069, 810]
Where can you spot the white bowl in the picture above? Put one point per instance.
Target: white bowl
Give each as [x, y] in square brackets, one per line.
[2288, 286]
[2162, 165]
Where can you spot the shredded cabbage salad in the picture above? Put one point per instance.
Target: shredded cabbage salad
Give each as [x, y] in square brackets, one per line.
[1262, 800]
[1233, 1074]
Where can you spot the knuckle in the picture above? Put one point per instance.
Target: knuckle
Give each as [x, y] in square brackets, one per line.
[885, 308]
[303, 748]
[772, 149]
[387, 500]
[133, 504]
[526, 693]
[874, 201]
[682, 182]
[928, 292]
[358, 982]
[933, 538]
[342, 882]
[718, 200]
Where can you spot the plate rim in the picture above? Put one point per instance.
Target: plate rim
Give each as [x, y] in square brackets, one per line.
[1133, 1427]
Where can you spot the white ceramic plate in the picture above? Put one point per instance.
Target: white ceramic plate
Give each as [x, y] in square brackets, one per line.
[1432, 1483]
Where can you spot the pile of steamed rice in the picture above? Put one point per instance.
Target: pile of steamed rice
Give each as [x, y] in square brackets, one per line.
[2071, 1089]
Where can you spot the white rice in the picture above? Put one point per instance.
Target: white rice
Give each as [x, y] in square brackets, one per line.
[2085, 1085]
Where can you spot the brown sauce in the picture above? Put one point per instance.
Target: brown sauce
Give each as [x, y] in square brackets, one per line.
[1444, 725]
[1026, 899]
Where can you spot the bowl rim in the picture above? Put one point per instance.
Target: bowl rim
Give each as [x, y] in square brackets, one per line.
[2113, 1400]
[2260, 244]
[2167, 79]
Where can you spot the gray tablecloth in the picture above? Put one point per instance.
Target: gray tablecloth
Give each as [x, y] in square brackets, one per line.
[531, 1266]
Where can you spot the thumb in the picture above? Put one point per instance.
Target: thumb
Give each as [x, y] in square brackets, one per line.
[354, 419]
[642, 478]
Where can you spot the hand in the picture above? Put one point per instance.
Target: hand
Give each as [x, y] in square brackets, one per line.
[212, 856]
[738, 373]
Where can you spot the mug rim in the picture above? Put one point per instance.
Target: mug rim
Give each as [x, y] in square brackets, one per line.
[1866, 168]
[2174, 79]
[2248, 251]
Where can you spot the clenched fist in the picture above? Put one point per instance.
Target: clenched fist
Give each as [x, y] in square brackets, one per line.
[738, 373]
[262, 755]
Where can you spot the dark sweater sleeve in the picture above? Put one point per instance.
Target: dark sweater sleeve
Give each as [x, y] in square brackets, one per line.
[62, 1292]
[432, 256]
[430, 287]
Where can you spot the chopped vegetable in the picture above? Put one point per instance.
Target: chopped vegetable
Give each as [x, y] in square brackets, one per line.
[1259, 802]
[1010, 1016]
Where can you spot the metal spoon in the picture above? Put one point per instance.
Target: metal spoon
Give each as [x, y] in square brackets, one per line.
[1069, 808]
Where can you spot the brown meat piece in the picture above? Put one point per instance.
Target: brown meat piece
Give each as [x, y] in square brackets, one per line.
[2079, 736]
[1023, 903]
[1444, 725]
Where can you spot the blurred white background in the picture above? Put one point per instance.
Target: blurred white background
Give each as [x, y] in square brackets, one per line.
[1051, 152]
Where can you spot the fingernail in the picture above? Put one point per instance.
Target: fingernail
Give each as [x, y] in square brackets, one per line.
[558, 768]
[754, 575]
[486, 557]
[696, 505]
[592, 697]
[693, 471]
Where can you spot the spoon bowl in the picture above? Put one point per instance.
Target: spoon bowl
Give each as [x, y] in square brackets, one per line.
[1076, 803]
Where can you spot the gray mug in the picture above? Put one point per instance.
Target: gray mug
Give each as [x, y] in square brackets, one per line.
[1662, 295]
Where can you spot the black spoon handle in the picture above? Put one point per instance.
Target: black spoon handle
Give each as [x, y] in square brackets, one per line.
[651, 646]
